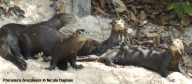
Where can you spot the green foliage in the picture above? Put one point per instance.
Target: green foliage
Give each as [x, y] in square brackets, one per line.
[183, 11]
[181, 8]
[6, 2]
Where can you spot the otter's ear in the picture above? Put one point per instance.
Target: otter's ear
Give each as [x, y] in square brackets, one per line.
[112, 22]
[74, 33]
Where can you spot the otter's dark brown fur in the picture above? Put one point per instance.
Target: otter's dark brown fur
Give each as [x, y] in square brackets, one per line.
[88, 48]
[29, 39]
[34, 38]
[66, 51]
[117, 36]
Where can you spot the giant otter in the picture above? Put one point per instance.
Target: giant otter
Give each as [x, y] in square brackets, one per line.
[117, 36]
[28, 40]
[32, 38]
[66, 51]
[38, 40]
[151, 59]
[118, 33]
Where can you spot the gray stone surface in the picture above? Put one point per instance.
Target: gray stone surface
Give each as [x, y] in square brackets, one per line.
[35, 11]
[93, 73]
[81, 7]
[187, 35]
[97, 27]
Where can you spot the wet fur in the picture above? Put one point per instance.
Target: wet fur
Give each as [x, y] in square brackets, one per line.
[66, 51]
[151, 59]
[27, 40]
[33, 38]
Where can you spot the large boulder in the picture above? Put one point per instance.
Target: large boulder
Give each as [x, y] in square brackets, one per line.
[98, 28]
[92, 73]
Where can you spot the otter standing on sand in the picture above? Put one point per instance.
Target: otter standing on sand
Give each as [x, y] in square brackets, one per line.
[66, 51]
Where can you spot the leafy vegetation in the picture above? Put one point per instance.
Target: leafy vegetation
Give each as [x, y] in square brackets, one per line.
[183, 11]
[181, 8]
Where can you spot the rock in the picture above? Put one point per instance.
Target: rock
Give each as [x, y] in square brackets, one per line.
[98, 28]
[81, 8]
[179, 78]
[187, 35]
[5, 65]
[92, 73]
[35, 11]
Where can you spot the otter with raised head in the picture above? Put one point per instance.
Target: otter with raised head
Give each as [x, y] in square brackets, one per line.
[118, 35]
[126, 54]
[66, 51]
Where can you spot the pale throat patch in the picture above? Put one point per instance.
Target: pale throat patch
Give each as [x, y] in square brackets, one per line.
[120, 23]
[178, 43]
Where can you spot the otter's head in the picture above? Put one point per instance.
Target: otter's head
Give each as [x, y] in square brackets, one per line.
[80, 35]
[118, 25]
[79, 32]
[178, 44]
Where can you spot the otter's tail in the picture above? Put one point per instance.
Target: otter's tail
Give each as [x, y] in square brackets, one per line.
[87, 59]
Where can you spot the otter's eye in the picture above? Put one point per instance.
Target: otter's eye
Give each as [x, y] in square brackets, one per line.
[80, 32]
